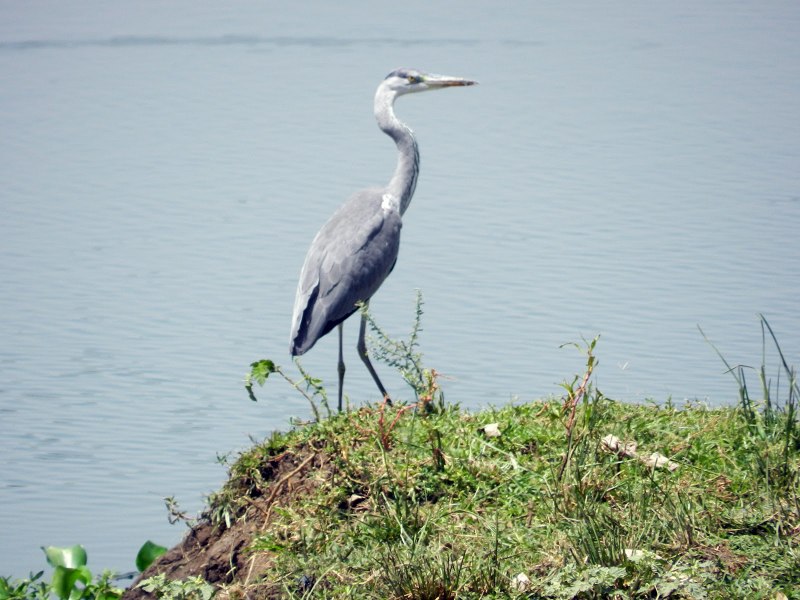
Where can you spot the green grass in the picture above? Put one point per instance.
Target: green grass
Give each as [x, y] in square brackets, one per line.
[445, 512]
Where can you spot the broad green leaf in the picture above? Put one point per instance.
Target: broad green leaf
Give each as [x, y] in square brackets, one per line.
[65, 579]
[71, 557]
[262, 369]
[147, 554]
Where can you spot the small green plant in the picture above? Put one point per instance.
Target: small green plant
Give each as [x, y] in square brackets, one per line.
[72, 579]
[590, 582]
[192, 588]
[310, 387]
[175, 514]
[575, 395]
[424, 574]
[405, 355]
[32, 588]
[772, 419]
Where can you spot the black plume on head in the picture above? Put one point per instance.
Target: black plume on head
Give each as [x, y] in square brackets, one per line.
[404, 73]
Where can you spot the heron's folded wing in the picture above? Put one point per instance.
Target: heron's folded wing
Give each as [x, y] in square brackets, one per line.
[347, 262]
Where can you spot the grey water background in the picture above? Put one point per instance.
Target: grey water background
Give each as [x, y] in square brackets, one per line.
[624, 169]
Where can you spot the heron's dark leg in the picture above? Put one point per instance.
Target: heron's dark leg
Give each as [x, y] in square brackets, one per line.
[362, 352]
[341, 366]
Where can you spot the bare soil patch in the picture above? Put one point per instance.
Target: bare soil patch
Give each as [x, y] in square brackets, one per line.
[220, 554]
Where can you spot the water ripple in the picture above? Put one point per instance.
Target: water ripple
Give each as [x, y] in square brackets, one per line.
[127, 41]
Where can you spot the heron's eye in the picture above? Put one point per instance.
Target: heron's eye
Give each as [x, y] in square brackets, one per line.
[413, 79]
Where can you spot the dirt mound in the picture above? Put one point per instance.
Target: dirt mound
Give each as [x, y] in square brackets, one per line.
[219, 554]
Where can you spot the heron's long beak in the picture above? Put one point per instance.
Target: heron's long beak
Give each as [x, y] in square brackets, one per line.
[441, 81]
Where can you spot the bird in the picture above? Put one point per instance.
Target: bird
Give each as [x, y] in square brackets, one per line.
[357, 248]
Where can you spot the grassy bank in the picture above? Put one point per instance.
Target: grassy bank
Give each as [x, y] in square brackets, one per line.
[575, 497]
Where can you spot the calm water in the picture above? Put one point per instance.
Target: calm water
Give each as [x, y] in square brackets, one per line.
[632, 172]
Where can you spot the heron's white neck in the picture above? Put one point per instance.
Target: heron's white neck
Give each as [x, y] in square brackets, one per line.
[402, 184]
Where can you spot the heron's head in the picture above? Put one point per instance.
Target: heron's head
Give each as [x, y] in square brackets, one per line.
[408, 81]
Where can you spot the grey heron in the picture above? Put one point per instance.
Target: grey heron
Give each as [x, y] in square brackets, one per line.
[357, 248]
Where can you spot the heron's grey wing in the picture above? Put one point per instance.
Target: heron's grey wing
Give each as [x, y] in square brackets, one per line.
[348, 260]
